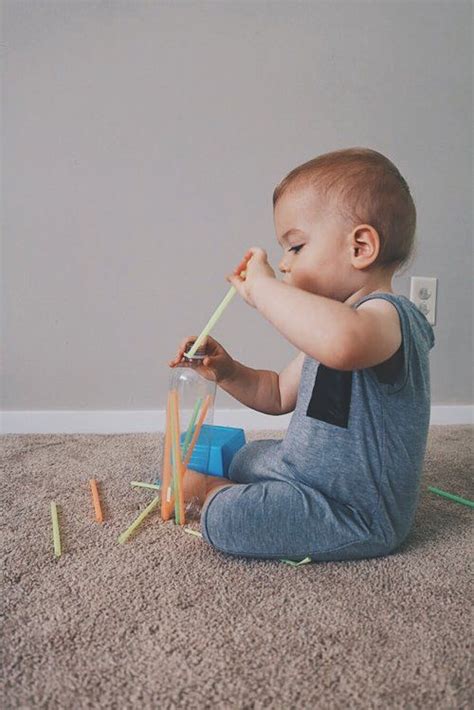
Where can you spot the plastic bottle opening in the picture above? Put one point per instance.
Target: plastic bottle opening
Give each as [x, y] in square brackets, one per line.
[199, 355]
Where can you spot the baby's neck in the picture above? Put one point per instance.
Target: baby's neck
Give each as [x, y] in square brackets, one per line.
[382, 284]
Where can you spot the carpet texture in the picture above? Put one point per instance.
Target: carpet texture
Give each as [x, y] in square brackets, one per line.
[165, 621]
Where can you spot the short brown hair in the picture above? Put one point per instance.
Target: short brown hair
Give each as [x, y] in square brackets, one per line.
[366, 188]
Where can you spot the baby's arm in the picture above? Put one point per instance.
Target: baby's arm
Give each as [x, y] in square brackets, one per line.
[264, 390]
[331, 332]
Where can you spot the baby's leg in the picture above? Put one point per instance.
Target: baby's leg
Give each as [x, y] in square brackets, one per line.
[258, 460]
[282, 519]
[251, 463]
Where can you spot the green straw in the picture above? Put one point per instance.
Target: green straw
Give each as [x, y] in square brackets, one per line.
[175, 444]
[212, 321]
[56, 537]
[189, 433]
[140, 484]
[451, 496]
[125, 535]
[297, 564]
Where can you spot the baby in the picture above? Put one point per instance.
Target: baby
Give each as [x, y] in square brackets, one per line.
[344, 481]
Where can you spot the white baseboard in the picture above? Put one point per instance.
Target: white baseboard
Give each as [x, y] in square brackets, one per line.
[150, 420]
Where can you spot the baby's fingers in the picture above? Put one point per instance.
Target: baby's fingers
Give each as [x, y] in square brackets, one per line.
[183, 346]
[243, 264]
[186, 343]
[174, 361]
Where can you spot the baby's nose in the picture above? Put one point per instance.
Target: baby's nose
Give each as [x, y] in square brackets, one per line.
[283, 267]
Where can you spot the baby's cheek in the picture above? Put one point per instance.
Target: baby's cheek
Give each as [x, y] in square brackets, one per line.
[304, 279]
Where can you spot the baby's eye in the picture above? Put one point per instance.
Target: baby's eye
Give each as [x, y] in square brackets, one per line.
[296, 249]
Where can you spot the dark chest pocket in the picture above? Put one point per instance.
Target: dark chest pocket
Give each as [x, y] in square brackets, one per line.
[331, 397]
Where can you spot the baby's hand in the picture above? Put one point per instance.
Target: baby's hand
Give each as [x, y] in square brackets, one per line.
[257, 269]
[217, 360]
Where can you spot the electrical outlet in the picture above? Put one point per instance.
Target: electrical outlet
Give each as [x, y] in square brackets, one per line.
[423, 295]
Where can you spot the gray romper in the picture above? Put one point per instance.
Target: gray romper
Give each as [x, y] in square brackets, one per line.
[344, 482]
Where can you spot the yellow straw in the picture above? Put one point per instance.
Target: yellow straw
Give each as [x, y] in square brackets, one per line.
[140, 484]
[192, 532]
[125, 535]
[56, 537]
[212, 320]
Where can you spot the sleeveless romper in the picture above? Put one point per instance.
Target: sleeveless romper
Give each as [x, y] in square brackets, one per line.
[344, 481]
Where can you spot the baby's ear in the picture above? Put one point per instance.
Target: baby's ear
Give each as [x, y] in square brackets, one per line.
[365, 246]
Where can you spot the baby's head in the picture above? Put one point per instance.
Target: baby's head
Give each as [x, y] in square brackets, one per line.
[353, 222]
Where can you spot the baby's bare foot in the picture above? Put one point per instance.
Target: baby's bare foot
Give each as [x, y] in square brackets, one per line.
[194, 487]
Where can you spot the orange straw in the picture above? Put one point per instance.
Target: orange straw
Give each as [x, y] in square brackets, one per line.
[179, 464]
[95, 497]
[167, 505]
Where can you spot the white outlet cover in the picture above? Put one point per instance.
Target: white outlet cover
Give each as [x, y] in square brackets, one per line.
[423, 294]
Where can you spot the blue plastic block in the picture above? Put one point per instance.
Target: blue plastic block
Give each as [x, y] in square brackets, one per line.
[223, 441]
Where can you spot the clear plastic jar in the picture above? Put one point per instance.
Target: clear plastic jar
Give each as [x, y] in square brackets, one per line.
[190, 405]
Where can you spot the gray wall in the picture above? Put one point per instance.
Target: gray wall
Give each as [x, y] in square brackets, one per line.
[141, 145]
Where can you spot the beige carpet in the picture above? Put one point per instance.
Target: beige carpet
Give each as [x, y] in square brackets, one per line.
[165, 621]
